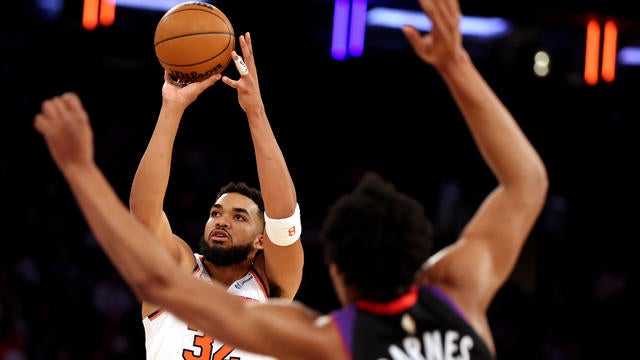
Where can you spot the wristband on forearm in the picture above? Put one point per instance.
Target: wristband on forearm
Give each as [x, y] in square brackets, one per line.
[284, 232]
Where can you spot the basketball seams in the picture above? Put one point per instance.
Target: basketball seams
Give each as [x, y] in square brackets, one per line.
[223, 19]
[191, 44]
[199, 62]
[194, 34]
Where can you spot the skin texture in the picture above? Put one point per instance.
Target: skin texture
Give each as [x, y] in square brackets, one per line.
[470, 271]
[279, 266]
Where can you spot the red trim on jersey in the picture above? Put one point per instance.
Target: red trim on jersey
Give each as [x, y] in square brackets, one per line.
[392, 307]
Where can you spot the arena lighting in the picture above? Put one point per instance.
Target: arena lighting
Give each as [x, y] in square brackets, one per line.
[339, 37]
[629, 55]
[349, 23]
[50, 9]
[155, 5]
[350, 20]
[484, 27]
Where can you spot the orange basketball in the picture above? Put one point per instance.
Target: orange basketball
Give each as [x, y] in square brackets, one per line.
[193, 41]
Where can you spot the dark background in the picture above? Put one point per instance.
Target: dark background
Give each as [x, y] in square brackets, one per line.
[571, 294]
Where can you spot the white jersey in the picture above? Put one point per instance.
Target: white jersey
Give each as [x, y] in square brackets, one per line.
[169, 338]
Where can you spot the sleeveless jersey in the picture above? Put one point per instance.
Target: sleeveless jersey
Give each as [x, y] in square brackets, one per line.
[169, 338]
[422, 324]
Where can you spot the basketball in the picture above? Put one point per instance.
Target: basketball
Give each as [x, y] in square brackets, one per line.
[193, 41]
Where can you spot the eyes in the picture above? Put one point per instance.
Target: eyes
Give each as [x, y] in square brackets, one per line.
[236, 216]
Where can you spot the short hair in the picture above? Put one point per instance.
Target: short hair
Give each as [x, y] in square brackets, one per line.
[378, 238]
[242, 188]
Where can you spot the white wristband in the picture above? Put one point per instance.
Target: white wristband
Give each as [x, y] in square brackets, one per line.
[284, 232]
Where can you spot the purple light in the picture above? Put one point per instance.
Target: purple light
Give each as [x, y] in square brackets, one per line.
[340, 29]
[358, 27]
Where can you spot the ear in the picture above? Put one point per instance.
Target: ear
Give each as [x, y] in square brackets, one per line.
[258, 243]
[334, 272]
[337, 279]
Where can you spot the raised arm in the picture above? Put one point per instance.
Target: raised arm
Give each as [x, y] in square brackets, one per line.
[146, 199]
[283, 264]
[285, 331]
[477, 265]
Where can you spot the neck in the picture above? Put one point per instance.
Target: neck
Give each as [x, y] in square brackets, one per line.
[229, 273]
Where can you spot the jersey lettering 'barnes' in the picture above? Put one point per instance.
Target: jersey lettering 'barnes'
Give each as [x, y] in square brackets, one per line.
[431, 328]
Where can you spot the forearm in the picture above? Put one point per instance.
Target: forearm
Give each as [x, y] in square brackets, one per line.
[127, 243]
[146, 267]
[276, 185]
[152, 175]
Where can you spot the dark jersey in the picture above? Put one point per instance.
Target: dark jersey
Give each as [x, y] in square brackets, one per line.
[422, 324]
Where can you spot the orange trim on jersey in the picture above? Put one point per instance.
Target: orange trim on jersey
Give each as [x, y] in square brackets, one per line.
[155, 314]
[248, 300]
[393, 307]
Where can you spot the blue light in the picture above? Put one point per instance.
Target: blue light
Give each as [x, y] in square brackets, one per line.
[487, 27]
[156, 5]
[50, 9]
[629, 55]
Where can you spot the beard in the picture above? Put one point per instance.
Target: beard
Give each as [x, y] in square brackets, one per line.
[225, 256]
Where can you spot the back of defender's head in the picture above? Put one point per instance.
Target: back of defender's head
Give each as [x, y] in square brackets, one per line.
[378, 238]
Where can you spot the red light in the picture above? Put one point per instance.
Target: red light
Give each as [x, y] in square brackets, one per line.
[90, 14]
[98, 11]
[592, 52]
[609, 48]
[592, 60]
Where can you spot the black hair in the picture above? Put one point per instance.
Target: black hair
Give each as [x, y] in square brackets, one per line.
[378, 238]
[246, 190]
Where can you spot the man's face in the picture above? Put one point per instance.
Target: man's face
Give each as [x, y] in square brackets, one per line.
[233, 231]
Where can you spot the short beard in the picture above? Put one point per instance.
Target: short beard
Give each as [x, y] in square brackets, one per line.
[225, 256]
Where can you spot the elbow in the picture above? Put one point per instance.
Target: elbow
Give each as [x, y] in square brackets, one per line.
[132, 205]
[540, 181]
[536, 187]
[531, 186]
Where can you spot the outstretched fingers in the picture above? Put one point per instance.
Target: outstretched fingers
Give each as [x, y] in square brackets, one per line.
[444, 14]
[244, 64]
[413, 36]
[241, 66]
[237, 60]
[246, 46]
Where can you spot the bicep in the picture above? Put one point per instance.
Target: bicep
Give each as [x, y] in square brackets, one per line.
[487, 250]
[283, 266]
[498, 231]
